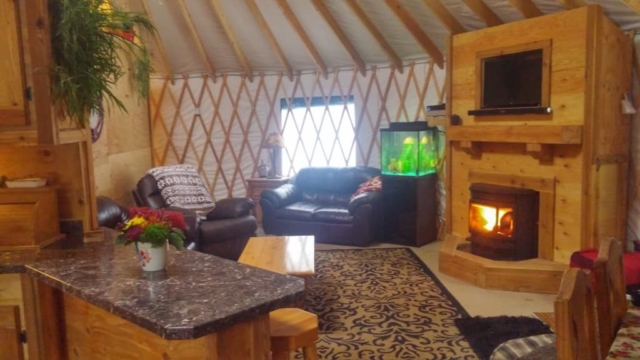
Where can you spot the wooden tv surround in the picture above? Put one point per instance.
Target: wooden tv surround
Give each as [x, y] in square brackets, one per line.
[576, 157]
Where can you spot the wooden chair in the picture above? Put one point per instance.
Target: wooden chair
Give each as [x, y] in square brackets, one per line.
[292, 329]
[575, 317]
[610, 292]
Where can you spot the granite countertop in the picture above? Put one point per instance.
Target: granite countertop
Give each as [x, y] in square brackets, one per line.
[198, 294]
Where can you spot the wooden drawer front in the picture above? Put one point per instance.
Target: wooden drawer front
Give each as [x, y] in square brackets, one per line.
[17, 219]
[255, 192]
[28, 217]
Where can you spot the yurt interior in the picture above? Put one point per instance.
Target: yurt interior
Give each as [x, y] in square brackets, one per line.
[319, 179]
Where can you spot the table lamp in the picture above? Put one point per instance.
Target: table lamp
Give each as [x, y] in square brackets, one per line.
[273, 141]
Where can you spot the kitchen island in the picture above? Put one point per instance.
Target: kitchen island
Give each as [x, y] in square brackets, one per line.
[95, 302]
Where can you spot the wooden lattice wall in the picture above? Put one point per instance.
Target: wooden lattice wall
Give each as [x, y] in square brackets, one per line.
[219, 125]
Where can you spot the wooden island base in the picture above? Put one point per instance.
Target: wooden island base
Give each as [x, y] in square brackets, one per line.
[83, 331]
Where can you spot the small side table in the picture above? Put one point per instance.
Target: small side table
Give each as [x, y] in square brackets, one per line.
[255, 186]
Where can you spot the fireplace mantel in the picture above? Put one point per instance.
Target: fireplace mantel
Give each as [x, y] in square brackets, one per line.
[577, 156]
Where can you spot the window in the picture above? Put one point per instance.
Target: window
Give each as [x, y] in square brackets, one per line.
[317, 131]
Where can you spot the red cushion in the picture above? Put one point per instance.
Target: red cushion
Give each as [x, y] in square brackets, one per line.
[583, 259]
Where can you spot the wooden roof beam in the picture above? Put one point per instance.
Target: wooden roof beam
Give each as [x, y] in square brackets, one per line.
[444, 16]
[297, 27]
[526, 8]
[415, 30]
[377, 35]
[633, 4]
[484, 12]
[335, 27]
[231, 36]
[572, 4]
[159, 44]
[194, 34]
[266, 31]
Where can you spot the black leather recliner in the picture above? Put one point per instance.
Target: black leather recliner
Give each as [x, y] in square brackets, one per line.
[318, 202]
[224, 231]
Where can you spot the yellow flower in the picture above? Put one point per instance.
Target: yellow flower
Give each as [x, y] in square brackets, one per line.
[136, 221]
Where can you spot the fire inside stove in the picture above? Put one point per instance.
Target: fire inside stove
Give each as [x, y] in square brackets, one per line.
[490, 219]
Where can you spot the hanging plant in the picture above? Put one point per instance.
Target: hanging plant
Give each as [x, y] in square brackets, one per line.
[87, 37]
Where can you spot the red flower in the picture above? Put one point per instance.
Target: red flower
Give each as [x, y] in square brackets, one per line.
[133, 233]
[176, 219]
[145, 212]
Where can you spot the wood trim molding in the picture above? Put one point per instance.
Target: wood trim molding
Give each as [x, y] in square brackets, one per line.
[538, 134]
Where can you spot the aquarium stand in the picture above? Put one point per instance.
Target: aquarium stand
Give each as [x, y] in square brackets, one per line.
[410, 209]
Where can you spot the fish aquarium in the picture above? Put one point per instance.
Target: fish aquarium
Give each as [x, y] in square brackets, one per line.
[409, 149]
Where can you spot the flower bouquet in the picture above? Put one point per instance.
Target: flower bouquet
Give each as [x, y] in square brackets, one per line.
[150, 230]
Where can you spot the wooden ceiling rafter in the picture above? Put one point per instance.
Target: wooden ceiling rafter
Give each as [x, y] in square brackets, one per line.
[633, 4]
[484, 12]
[231, 36]
[445, 16]
[159, 45]
[268, 34]
[302, 34]
[572, 4]
[377, 35]
[416, 31]
[342, 37]
[197, 39]
[527, 8]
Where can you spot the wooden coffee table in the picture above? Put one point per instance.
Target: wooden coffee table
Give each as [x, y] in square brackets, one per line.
[291, 255]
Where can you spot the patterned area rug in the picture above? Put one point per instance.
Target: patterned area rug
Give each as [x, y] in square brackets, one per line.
[383, 304]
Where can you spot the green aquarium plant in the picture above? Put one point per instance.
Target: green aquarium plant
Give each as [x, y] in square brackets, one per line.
[87, 42]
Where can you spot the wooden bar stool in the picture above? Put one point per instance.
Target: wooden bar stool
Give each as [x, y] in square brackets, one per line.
[292, 329]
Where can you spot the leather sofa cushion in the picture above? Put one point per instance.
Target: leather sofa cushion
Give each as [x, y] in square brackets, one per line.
[333, 214]
[302, 211]
[226, 230]
[323, 198]
[333, 179]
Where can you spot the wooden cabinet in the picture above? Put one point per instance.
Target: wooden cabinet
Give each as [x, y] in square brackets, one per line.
[255, 186]
[28, 217]
[13, 109]
[11, 318]
[410, 209]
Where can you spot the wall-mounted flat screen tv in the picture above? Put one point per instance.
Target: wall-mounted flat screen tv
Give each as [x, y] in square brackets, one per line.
[512, 80]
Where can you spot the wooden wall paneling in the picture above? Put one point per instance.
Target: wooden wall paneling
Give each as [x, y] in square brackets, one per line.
[159, 44]
[448, 150]
[62, 166]
[38, 52]
[377, 35]
[11, 295]
[12, 83]
[10, 328]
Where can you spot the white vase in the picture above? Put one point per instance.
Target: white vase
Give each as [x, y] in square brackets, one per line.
[151, 258]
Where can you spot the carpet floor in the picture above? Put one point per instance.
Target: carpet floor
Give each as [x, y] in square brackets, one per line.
[383, 304]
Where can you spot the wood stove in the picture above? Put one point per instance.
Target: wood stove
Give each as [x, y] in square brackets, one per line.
[503, 222]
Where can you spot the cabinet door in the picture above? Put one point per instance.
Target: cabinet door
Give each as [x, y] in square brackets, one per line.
[12, 89]
[11, 347]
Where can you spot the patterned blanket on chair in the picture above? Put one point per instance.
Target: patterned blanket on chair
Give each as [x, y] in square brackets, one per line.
[181, 186]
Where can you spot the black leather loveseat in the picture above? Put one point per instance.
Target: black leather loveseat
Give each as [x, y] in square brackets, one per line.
[318, 202]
